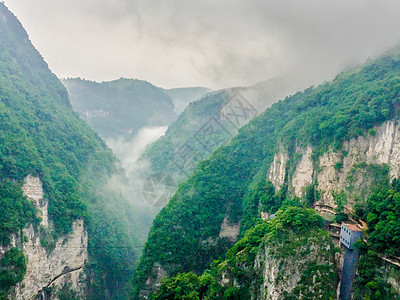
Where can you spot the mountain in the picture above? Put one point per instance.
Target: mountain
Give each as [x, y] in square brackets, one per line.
[182, 97]
[120, 107]
[334, 148]
[210, 122]
[198, 131]
[292, 254]
[65, 232]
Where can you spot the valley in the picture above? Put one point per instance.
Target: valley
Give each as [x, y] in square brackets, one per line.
[125, 189]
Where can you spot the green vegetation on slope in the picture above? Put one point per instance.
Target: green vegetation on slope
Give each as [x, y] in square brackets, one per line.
[209, 122]
[180, 138]
[322, 117]
[290, 237]
[197, 132]
[372, 280]
[382, 212]
[42, 136]
[383, 219]
[12, 270]
[39, 133]
[183, 96]
[120, 107]
[15, 211]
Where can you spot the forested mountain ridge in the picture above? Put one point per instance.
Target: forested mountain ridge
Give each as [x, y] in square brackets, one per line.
[120, 107]
[291, 257]
[209, 122]
[54, 191]
[183, 137]
[277, 160]
[182, 97]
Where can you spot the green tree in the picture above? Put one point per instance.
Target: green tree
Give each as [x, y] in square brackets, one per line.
[12, 269]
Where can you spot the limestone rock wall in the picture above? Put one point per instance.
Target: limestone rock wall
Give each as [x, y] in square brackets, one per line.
[229, 230]
[52, 268]
[153, 281]
[277, 170]
[303, 174]
[340, 170]
[33, 189]
[282, 273]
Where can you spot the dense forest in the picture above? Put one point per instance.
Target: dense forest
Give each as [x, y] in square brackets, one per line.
[182, 97]
[120, 107]
[209, 122]
[232, 182]
[227, 222]
[291, 236]
[183, 146]
[42, 136]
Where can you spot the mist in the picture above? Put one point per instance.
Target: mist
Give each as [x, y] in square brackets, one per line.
[129, 152]
[216, 44]
[128, 205]
[136, 169]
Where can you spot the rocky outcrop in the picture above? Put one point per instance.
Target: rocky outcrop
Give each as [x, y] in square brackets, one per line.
[394, 280]
[277, 170]
[285, 268]
[328, 175]
[153, 281]
[303, 174]
[345, 169]
[229, 230]
[50, 269]
[33, 189]
[46, 269]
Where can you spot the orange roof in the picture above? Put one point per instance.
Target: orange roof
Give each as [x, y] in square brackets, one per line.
[352, 227]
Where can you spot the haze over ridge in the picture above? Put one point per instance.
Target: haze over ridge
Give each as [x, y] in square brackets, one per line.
[207, 43]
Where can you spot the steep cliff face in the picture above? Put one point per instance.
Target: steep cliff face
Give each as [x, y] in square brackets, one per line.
[48, 270]
[304, 171]
[302, 268]
[154, 280]
[278, 169]
[289, 257]
[353, 170]
[326, 144]
[347, 169]
[70, 169]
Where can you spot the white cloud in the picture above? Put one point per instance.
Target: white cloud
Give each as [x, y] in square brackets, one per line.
[217, 44]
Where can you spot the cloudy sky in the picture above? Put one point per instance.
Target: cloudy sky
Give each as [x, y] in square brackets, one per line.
[213, 43]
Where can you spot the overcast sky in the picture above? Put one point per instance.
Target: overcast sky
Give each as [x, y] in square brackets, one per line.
[213, 43]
